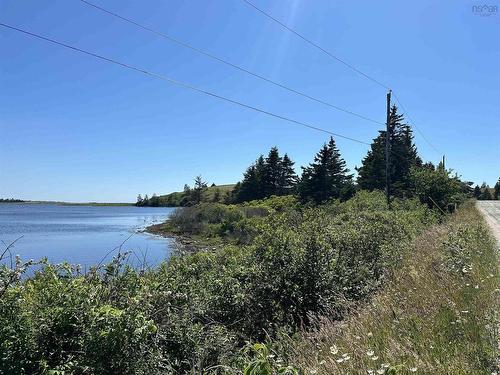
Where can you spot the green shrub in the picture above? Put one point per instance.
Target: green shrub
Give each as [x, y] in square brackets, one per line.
[196, 311]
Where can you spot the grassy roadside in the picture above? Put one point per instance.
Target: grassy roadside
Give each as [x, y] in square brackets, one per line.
[438, 314]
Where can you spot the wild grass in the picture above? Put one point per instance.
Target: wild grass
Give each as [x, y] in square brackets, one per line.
[437, 314]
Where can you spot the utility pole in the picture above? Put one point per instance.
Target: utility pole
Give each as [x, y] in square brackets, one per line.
[388, 150]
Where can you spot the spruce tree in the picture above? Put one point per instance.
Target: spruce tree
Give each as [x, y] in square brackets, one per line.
[271, 173]
[199, 187]
[139, 200]
[288, 178]
[485, 192]
[496, 194]
[477, 192]
[251, 187]
[404, 156]
[327, 177]
[371, 174]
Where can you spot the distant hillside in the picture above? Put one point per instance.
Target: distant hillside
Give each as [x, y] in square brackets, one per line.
[216, 193]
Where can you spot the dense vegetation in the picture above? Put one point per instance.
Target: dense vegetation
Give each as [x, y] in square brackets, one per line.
[438, 314]
[486, 193]
[196, 311]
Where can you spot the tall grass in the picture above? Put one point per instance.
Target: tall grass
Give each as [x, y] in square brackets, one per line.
[438, 314]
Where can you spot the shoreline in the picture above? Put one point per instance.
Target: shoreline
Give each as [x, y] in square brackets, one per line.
[184, 243]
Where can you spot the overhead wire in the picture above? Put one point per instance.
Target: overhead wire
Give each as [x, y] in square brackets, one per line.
[309, 41]
[228, 63]
[182, 84]
[333, 56]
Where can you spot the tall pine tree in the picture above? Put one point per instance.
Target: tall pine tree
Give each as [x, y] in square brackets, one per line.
[327, 177]
[477, 192]
[251, 186]
[404, 156]
[271, 173]
[288, 178]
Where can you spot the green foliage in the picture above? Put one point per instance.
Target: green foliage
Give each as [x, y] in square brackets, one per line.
[327, 177]
[485, 192]
[263, 362]
[437, 187]
[61, 322]
[404, 156]
[187, 197]
[273, 175]
[197, 311]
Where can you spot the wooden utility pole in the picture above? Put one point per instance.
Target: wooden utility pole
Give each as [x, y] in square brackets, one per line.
[388, 150]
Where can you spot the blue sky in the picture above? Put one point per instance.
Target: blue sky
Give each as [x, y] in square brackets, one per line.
[78, 129]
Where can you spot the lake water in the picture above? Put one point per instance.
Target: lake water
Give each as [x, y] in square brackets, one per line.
[83, 234]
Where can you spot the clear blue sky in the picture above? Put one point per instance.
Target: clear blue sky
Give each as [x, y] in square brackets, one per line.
[77, 129]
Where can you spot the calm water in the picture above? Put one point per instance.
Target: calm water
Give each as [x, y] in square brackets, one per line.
[82, 234]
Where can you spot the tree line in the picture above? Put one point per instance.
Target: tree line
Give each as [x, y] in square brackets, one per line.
[485, 193]
[327, 176]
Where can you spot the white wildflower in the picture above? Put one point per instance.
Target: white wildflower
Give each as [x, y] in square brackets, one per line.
[413, 369]
[334, 350]
[370, 353]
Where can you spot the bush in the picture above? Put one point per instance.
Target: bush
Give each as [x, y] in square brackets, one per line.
[437, 188]
[196, 311]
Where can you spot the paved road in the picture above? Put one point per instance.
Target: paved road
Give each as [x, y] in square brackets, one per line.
[491, 212]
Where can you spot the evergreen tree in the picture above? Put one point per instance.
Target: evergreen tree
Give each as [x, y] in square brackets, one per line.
[477, 192]
[496, 194]
[145, 201]
[271, 175]
[250, 188]
[485, 192]
[371, 174]
[404, 156]
[154, 201]
[327, 177]
[288, 178]
[199, 187]
[139, 200]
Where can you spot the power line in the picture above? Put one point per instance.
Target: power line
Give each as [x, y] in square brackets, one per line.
[415, 125]
[309, 41]
[328, 53]
[240, 68]
[182, 84]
